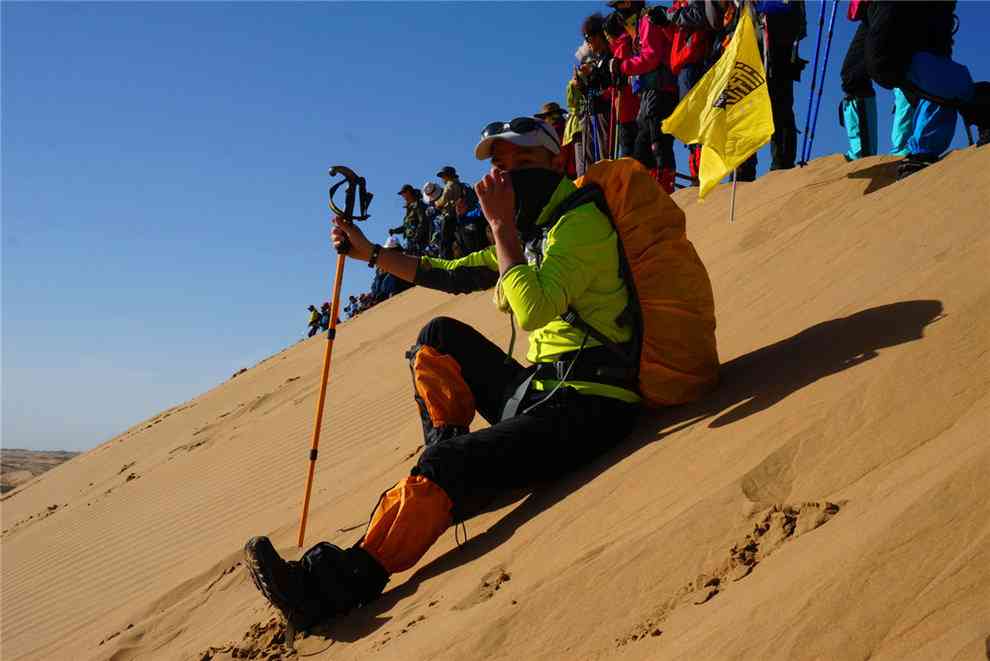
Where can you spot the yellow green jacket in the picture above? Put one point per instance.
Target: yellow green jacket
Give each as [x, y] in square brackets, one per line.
[579, 270]
[575, 110]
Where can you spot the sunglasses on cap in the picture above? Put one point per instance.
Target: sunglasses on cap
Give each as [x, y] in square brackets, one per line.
[518, 125]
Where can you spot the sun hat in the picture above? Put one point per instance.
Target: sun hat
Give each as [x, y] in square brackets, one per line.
[431, 191]
[540, 134]
[550, 109]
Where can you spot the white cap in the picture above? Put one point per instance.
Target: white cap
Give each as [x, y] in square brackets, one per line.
[392, 243]
[431, 191]
[534, 138]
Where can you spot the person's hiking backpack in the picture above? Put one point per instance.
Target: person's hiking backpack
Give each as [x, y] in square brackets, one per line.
[671, 302]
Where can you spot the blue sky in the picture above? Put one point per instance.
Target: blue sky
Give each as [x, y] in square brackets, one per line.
[164, 174]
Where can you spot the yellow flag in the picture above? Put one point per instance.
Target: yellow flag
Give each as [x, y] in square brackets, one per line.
[728, 111]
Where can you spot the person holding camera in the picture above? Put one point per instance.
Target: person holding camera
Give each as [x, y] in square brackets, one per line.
[657, 86]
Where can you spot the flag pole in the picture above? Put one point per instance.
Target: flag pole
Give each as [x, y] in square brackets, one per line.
[732, 203]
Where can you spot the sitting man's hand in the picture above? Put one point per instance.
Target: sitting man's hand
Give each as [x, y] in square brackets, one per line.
[498, 201]
[347, 233]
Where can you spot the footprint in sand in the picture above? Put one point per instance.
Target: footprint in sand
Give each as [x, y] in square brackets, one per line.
[490, 584]
[262, 641]
[190, 446]
[774, 527]
[388, 637]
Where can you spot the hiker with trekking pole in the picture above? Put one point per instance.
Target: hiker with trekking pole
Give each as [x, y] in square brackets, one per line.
[657, 86]
[626, 102]
[593, 79]
[597, 353]
[907, 47]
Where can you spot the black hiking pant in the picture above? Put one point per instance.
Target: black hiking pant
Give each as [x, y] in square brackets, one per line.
[448, 227]
[888, 36]
[653, 147]
[856, 81]
[783, 144]
[627, 138]
[556, 436]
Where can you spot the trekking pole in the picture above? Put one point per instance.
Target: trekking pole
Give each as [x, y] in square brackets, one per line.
[355, 188]
[618, 125]
[821, 89]
[814, 80]
[595, 147]
[610, 147]
[732, 202]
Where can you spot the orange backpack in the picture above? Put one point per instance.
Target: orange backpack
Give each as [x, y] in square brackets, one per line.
[676, 356]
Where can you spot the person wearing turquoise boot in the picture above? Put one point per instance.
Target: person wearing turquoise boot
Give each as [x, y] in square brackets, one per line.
[908, 46]
[903, 125]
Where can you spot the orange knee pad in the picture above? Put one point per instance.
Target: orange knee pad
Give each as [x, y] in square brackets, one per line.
[409, 518]
[442, 389]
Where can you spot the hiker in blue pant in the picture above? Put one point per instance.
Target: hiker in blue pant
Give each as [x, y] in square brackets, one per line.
[907, 45]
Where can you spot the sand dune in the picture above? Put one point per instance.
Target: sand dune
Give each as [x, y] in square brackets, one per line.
[829, 501]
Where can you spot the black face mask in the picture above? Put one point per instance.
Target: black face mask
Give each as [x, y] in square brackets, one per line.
[534, 188]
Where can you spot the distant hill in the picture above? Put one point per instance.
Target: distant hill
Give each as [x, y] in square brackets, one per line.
[18, 466]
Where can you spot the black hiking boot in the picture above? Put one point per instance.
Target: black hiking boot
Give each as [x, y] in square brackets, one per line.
[326, 582]
[913, 163]
[283, 583]
[342, 579]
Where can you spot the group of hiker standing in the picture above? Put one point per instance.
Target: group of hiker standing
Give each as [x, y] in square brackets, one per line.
[636, 63]
[617, 303]
[442, 221]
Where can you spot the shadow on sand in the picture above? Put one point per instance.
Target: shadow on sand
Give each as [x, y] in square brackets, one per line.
[880, 175]
[749, 384]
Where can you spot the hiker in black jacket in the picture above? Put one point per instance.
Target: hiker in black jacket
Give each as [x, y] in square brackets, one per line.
[415, 226]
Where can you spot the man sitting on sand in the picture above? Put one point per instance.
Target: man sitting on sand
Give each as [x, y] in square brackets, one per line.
[545, 419]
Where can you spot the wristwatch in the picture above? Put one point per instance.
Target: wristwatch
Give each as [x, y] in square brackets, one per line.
[375, 251]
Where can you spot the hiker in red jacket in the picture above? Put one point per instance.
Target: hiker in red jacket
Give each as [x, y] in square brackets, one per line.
[625, 102]
[690, 55]
[658, 88]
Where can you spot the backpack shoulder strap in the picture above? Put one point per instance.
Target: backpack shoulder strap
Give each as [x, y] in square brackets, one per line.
[580, 197]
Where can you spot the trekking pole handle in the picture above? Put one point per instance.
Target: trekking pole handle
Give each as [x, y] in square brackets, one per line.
[356, 193]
